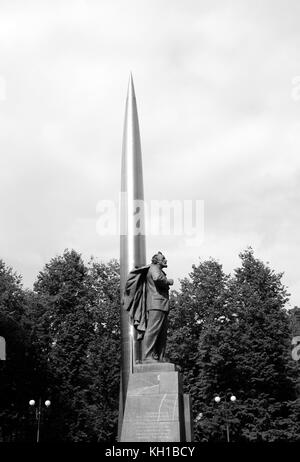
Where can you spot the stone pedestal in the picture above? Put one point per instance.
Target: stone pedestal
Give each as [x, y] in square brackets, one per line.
[156, 409]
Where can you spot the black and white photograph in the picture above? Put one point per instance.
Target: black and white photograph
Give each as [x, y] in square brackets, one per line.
[150, 224]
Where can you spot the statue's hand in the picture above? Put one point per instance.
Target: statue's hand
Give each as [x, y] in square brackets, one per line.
[170, 282]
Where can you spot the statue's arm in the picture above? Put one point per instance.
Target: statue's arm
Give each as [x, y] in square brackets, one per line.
[159, 278]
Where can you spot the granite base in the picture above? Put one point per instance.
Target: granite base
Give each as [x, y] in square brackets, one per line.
[156, 409]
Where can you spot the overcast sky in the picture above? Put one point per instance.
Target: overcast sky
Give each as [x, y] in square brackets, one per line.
[219, 111]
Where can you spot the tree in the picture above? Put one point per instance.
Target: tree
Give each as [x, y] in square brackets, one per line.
[104, 359]
[264, 378]
[79, 311]
[196, 309]
[17, 371]
[238, 335]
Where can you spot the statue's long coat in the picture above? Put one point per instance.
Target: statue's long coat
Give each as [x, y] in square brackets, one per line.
[134, 299]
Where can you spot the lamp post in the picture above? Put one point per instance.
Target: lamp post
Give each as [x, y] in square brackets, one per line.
[38, 413]
[229, 397]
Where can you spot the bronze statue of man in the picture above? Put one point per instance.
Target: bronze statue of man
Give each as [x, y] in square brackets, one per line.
[157, 303]
[146, 297]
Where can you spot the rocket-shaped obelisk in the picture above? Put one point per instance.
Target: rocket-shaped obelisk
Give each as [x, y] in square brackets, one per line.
[132, 230]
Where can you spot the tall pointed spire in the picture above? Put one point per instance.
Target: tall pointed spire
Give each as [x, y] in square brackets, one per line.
[132, 238]
[130, 92]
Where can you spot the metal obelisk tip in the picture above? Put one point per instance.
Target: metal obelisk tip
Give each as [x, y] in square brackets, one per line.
[130, 87]
[132, 238]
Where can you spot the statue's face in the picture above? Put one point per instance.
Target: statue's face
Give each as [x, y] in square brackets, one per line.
[162, 261]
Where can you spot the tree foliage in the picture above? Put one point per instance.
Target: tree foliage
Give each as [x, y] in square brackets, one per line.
[18, 373]
[228, 333]
[65, 347]
[242, 346]
[81, 320]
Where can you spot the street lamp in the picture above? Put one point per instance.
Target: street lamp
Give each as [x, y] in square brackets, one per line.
[228, 397]
[38, 412]
[199, 417]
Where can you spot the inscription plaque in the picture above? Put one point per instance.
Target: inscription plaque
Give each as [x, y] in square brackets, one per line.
[154, 407]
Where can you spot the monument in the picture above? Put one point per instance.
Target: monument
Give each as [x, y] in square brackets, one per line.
[152, 406]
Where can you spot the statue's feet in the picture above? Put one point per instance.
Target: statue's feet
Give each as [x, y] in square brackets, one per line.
[150, 360]
[164, 360]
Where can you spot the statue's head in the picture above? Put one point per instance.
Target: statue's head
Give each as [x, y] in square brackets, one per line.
[159, 259]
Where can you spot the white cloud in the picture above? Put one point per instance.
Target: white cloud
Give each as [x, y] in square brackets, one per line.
[213, 82]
